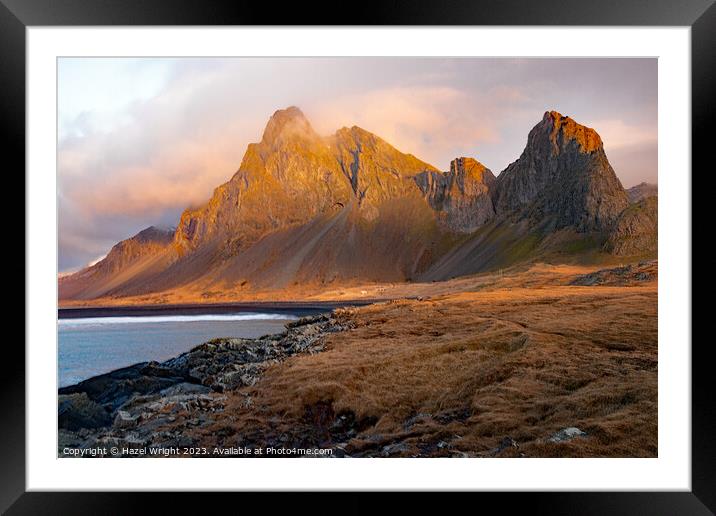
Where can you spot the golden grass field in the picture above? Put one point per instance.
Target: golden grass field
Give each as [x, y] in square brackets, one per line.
[493, 368]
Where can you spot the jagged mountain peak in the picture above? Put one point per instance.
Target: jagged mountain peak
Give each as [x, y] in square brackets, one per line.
[470, 167]
[282, 116]
[461, 196]
[294, 175]
[564, 133]
[287, 123]
[562, 175]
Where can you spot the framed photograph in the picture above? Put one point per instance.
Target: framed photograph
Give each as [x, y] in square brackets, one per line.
[416, 252]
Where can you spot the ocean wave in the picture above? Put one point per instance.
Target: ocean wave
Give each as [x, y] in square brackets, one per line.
[145, 319]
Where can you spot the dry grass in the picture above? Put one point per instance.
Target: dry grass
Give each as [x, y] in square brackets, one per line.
[523, 275]
[456, 375]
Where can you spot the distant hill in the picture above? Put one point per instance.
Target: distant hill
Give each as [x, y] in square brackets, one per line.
[642, 191]
[309, 210]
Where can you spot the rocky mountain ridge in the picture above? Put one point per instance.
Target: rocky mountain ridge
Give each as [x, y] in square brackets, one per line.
[306, 209]
[135, 253]
[294, 175]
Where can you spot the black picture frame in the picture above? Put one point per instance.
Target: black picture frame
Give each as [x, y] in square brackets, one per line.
[17, 15]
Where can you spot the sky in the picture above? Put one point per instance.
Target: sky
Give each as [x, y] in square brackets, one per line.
[141, 139]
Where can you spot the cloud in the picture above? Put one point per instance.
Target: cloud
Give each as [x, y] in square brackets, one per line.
[435, 123]
[617, 133]
[168, 152]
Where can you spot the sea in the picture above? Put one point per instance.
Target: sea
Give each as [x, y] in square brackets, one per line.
[100, 343]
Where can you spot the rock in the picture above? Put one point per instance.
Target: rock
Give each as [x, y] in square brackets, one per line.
[178, 441]
[71, 439]
[309, 319]
[507, 442]
[339, 451]
[124, 419]
[636, 230]
[619, 276]
[185, 388]
[75, 411]
[395, 449]
[115, 388]
[461, 196]
[642, 191]
[566, 434]
[420, 417]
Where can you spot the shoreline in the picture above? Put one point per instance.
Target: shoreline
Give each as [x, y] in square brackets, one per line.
[287, 307]
[125, 406]
[548, 363]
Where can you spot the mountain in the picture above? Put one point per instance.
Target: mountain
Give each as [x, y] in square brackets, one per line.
[287, 178]
[142, 255]
[562, 177]
[461, 197]
[294, 175]
[377, 171]
[300, 209]
[560, 199]
[306, 211]
[636, 229]
[642, 191]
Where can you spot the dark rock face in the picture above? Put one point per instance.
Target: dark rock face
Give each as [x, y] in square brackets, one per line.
[636, 230]
[113, 389]
[642, 191]
[563, 175]
[461, 196]
[77, 411]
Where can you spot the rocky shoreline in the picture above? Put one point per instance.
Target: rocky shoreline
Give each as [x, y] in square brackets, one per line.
[147, 406]
[553, 361]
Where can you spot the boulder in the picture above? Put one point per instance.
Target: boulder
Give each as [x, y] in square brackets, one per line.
[566, 434]
[77, 411]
